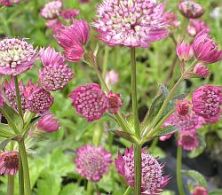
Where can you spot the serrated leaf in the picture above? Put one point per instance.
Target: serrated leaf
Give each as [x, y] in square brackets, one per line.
[196, 152]
[123, 134]
[167, 130]
[199, 178]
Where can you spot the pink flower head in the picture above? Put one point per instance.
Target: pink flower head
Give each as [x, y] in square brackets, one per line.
[92, 162]
[199, 190]
[201, 70]
[55, 74]
[112, 77]
[188, 140]
[182, 107]
[115, 102]
[48, 123]
[195, 26]
[84, 1]
[171, 19]
[130, 23]
[205, 49]
[10, 93]
[89, 101]
[16, 56]
[165, 137]
[38, 99]
[207, 102]
[8, 3]
[184, 51]
[69, 14]
[152, 174]
[191, 9]
[73, 38]
[9, 163]
[55, 25]
[51, 10]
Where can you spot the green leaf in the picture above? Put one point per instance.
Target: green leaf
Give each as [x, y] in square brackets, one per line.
[167, 130]
[4, 143]
[71, 189]
[199, 178]
[200, 149]
[5, 131]
[124, 135]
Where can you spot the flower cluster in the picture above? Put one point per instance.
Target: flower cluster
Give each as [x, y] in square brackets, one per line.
[9, 2]
[52, 9]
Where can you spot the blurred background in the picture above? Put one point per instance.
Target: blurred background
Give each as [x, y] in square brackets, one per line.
[51, 156]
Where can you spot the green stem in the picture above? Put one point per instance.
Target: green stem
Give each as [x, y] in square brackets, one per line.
[98, 134]
[105, 61]
[137, 169]
[18, 97]
[89, 188]
[128, 191]
[22, 151]
[179, 171]
[10, 190]
[134, 92]
[21, 178]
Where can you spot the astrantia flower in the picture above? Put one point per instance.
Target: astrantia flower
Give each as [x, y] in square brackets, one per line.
[48, 123]
[9, 163]
[188, 140]
[200, 190]
[182, 107]
[55, 74]
[10, 93]
[69, 13]
[171, 19]
[16, 56]
[195, 26]
[184, 51]
[8, 2]
[115, 102]
[205, 49]
[152, 174]
[89, 101]
[92, 162]
[52, 9]
[38, 99]
[130, 23]
[201, 70]
[207, 102]
[112, 77]
[55, 25]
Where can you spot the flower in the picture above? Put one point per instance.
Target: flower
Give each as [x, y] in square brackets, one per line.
[10, 94]
[182, 107]
[115, 102]
[171, 19]
[48, 123]
[201, 70]
[184, 51]
[9, 163]
[195, 26]
[73, 38]
[38, 99]
[200, 190]
[112, 77]
[55, 74]
[207, 101]
[165, 137]
[130, 23]
[16, 56]
[89, 101]
[92, 162]
[205, 49]
[8, 2]
[51, 10]
[188, 140]
[152, 174]
[69, 13]
[191, 9]
[55, 25]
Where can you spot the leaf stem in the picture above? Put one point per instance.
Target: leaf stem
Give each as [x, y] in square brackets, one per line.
[128, 190]
[137, 169]
[179, 171]
[10, 190]
[21, 177]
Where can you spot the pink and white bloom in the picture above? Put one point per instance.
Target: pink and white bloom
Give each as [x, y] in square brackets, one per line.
[184, 51]
[190, 9]
[200, 190]
[9, 163]
[207, 102]
[69, 14]
[92, 162]
[9, 2]
[130, 23]
[171, 19]
[55, 74]
[55, 25]
[195, 26]
[201, 70]
[115, 102]
[205, 49]
[89, 101]
[48, 123]
[152, 171]
[16, 56]
[188, 140]
[112, 77]
[51, 10]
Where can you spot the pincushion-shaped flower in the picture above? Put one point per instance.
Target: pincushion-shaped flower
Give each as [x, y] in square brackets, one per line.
[205, 49]
[184, 51]
[10, 94]
[8, 2]
[188, 140]
[200, 190]
[38, 99]
[195, 26]
[115, 102]
[48, 123]
[16, 56]
[130, 23]
[152, 174]
[69, 13]
[52, 9]
[89, 101]
[9, 163]
[182, 107]
[201, 70]
[92, 162]
[55, 74]
[207, 102]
